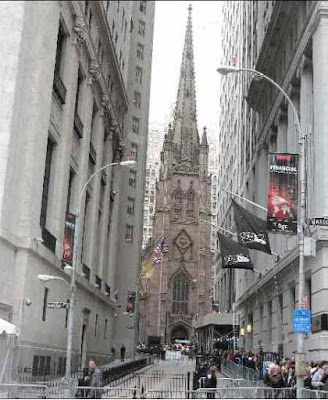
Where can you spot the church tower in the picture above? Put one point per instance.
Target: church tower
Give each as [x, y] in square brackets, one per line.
[180, 286]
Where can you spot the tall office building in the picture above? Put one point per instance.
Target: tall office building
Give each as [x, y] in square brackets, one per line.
[66, 76]
[155, 144]
[286, 41]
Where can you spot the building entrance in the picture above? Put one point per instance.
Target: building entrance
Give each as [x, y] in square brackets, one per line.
[179, 333]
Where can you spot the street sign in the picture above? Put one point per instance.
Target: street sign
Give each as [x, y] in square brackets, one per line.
[57, 305]
[319, 221]
[302, 321]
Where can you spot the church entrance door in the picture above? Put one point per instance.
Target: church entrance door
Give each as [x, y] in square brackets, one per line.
[179, 333]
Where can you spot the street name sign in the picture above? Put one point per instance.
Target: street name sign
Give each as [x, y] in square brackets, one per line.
[319, 221]
[57, 305]
[302, 321]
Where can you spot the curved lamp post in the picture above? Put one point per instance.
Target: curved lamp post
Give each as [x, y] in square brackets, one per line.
[71, 309]
[224, 70]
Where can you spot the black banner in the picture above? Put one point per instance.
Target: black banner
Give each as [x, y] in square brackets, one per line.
[251, 230]
[68, 242]
[233, 254]
[131, 302]
[282, 193]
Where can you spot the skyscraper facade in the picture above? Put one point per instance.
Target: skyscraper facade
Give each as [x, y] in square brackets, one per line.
[284, 40]
[65, 114]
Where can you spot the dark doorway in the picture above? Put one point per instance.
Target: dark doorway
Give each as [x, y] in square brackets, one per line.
[179, 333]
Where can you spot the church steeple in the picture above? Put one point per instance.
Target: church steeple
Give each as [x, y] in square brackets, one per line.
[185, 134]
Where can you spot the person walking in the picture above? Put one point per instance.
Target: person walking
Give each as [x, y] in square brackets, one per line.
[94, 379]
[211, 382]
[122, 353]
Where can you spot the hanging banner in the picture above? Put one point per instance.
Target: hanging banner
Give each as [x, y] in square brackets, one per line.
[251, 230]
[131, 302]
[233, 254]
[68, 242]
[282, 193]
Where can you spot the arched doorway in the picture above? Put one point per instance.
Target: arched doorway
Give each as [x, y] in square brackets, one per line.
[179, 333]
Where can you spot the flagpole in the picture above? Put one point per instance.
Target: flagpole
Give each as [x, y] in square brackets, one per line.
[243, 198]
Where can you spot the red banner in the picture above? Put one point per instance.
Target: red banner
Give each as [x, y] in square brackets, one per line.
[68, 242]
[282, 193]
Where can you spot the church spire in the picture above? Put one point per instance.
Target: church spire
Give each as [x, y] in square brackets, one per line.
[185, 120]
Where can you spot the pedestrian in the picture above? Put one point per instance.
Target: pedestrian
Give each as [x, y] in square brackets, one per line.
[113, 353]
[319, 377]
[211, 382]
[94, 379]
[274, 377]
[122, 353]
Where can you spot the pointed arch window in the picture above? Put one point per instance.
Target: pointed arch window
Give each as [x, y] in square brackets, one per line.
[190, 202]
[180, 294]
[178, 202]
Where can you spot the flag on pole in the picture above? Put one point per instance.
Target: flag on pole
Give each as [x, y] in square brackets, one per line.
[233, 254]
[251, 230]
[158, 252]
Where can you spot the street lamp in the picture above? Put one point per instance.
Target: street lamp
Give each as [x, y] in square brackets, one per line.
[224, 70]
[47, 278]
[71, 309]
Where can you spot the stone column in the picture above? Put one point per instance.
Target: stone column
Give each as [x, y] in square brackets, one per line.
[320, 118]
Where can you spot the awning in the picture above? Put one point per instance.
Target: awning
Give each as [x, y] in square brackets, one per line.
[8, 328]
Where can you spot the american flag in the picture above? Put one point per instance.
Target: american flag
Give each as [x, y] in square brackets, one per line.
[158, 252]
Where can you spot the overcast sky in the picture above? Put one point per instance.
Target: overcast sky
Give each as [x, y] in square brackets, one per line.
[170, 25]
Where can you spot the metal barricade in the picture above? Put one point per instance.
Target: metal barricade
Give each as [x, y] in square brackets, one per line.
[314, 394]
[22, 391]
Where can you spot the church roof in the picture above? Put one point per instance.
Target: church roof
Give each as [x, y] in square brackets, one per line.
[185, 118]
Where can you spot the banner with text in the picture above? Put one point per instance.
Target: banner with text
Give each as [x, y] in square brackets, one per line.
[68, 242]
[233, 254]
[282, 193]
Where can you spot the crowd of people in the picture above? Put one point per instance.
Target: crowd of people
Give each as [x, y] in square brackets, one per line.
[280, 372]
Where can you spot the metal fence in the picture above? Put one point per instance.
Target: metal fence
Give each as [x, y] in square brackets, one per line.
[23, 391]
[314, 394]
[240, 371]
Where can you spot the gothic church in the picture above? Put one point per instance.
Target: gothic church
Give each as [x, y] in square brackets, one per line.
[180, 287]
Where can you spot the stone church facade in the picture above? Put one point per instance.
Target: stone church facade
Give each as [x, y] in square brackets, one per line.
[180, 287]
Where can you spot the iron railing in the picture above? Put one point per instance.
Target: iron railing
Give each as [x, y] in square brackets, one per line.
[240, 371]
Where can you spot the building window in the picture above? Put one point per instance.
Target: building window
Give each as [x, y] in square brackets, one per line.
[130, 209]
[45, 303]
[139, 74]
[58, 85]
[180, 294]
[142, 28]
[136, 99]
[86, 272]
[129, 234]
[78, 126]
[132, 178]
[107, 290]
[134, 151]
[70, 190]
[96, 324]
[46, 183]
[142, 7]
[135, 125]
[140, 51]
[98, 282]
[105, 329]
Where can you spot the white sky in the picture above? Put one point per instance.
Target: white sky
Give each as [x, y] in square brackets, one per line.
[170, 25]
